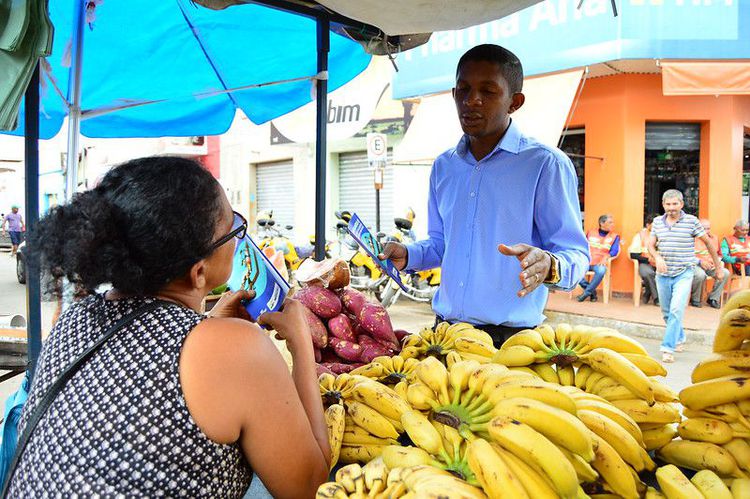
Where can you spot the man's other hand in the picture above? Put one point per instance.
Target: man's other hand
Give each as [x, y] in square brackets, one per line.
[396, 253]
[535, 265]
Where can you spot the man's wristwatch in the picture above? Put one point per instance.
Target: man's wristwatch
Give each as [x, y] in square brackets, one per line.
[554, 270]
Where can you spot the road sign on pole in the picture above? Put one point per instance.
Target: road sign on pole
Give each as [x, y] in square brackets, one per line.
[377, 148]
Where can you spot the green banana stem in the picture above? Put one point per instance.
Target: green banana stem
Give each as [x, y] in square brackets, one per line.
[483, 409]
[478, 400]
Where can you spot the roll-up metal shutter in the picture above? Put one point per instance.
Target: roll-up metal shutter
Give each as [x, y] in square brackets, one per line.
[357, 189]
[275, 190]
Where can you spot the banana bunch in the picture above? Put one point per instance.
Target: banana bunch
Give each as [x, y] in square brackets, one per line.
[591, 358]
[375, 480]
[388, 370]
[335, 389]
[733, 332]
[469, 342]
[704, 484]
[699, 456]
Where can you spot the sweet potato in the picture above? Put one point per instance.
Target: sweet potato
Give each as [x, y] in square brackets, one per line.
[323, 302]
[320, 369]
[353, 300]
[372, 350]
[401, 334]
[374, 319]
[339, 367]
[341, 327]
[368, 341]
[318, 355]
[318, 330]
[346, 349]
[328, 355]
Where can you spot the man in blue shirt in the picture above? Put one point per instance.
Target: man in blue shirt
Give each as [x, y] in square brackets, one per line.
[497, 186]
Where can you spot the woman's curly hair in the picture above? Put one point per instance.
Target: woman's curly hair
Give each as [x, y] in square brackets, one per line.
[145, 224]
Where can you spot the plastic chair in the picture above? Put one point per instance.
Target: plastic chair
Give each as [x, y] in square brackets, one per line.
[606, 282]
[742, 281]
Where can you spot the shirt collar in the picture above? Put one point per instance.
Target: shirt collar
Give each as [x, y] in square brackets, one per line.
[682, 215]
[510, 142]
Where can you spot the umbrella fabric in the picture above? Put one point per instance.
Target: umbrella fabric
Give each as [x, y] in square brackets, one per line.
[181, 54]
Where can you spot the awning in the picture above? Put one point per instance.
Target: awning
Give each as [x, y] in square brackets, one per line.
[435, 126]
[705, 78]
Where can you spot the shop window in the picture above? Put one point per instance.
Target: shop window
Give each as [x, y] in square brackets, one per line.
[672, 162]
[573, 143]
[746, 175]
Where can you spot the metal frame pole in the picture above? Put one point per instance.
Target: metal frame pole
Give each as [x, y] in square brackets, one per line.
[31, 160]
[74, 103]
[321, 151]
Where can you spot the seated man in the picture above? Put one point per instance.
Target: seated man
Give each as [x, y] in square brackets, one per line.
[603, 245]
[735, 249]
[705, 267]
[638, 251]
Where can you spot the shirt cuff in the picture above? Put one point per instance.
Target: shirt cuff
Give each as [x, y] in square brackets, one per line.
[413, 257]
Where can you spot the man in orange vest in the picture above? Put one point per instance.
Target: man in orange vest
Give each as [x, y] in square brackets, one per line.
[735, 249]
[705, 268]
[604, 244]
[638, 250]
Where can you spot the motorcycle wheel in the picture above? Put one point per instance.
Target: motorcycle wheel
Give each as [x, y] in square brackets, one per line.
[389, 295]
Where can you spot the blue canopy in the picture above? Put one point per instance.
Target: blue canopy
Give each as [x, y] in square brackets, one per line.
[186, 57]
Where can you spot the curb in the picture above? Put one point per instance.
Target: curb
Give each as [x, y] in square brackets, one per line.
[649, 331]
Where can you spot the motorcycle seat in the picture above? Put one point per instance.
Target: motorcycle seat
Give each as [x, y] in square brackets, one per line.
[402, 223]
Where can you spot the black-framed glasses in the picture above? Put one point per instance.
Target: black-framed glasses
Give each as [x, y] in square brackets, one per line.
[239, 229]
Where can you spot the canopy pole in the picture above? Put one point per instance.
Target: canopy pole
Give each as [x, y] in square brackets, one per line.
[321, 121]
[74, 98]
[31, 161]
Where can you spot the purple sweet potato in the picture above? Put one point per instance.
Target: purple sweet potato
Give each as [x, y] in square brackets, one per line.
[328, 355]
[318, 355]
[401, 334]
[323, 302]
[341, 368]
[374, 319]
[353, 300]
[346, 349]
[374, 349]
[320, 369]
[341, 327]
[318, 330]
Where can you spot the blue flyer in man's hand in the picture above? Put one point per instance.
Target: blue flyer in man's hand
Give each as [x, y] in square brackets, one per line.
[252, 270]
[372, 247]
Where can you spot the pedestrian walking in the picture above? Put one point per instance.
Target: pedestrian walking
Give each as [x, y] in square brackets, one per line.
[13, 224]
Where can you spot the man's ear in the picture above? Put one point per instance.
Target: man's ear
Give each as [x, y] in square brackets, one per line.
[198, 274]
[516, 102]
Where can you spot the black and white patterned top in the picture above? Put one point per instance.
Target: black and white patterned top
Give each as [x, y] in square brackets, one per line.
[120, 427]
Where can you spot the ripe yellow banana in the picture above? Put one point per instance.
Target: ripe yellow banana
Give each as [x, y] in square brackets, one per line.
[705, 430]
[567, 375]
[359, 453]
[536, 484]
[613, 469]
[526, 370]
[700, 456]
[710, 485]
[421, 397]
[674, 484]
[492, 472]
[528, 338]
[515, 356]
[616, 366]
[532, 388]
[740, 299]
[662, 393]
[641, 412]
[351, 438]
[648, 365]
[375, 473]
[546, 372]
[422, 433]
[592, 380]
[606, 409]
[469, 331]
[624, 444]
[433, 373]
[657, 438]
[718, 365]
[724, 390]
[559, 426]
[586, 474]
[611, 339]
[335, 423]
[395, 456]
[547, 334]
[381, 398]
[739, 448]
[734, 328]
[370, 419]
[474, 346]
[604, 383]
[373, 370]
[652, 493]
[532, 447]
[582, 375]
[740, 488]
[331, 490]
[562, 334]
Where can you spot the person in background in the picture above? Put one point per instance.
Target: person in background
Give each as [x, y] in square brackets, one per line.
[15, 227]
[705, 267]
[735, 249]
[638, 251]
[604, 244]
[503, 218]
[672, 246]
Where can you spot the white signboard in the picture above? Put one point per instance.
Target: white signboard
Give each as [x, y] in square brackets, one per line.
[377, 148]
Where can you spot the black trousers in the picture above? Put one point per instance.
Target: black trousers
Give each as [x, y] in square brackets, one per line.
[498, 333]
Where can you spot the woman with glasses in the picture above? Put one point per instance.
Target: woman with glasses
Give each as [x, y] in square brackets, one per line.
[175, 403]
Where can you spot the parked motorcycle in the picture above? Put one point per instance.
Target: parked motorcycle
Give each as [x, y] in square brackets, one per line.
[273, 242]
[366, 275]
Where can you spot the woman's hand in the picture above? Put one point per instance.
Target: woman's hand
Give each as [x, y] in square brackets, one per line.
[230, 306]
[289, 324]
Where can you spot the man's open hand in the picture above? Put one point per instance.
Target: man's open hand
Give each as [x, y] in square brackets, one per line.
[535, 265]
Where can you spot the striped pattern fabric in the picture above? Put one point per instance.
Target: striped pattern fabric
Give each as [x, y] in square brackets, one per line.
[676, 242]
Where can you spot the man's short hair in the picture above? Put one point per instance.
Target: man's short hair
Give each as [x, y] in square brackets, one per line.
[604, 218]
[741, 223]
[509, 63]
[672, 194]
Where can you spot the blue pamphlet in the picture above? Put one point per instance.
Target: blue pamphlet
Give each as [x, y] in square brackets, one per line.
[252, 270]
[372, 247]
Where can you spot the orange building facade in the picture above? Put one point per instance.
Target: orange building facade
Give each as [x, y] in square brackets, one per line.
[616, 113]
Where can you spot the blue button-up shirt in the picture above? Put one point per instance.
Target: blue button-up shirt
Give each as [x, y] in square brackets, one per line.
[522, 192]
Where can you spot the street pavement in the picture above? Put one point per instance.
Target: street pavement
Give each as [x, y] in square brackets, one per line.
[405, 314]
